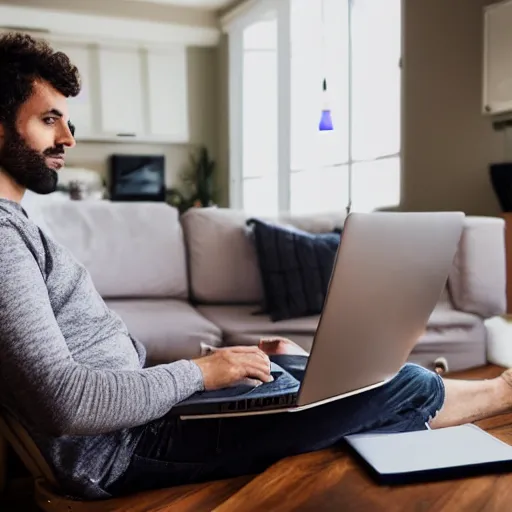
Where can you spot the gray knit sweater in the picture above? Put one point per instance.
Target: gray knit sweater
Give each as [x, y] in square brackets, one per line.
[69, 369]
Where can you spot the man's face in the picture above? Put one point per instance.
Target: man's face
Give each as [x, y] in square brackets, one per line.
[32, 148]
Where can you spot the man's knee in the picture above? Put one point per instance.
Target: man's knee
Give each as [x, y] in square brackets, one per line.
[424, 387]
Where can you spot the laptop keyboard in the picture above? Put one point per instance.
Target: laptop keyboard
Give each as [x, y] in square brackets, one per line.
[281, 393]
[261, 403]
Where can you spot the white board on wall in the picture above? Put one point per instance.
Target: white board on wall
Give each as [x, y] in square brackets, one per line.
[497, 73]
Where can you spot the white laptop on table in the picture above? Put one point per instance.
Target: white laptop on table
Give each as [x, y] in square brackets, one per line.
[389, 272]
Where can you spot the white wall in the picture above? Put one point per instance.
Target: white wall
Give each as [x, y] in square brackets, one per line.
[447, 143]
[94, 156]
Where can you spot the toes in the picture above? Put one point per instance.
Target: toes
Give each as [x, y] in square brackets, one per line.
[507, 376]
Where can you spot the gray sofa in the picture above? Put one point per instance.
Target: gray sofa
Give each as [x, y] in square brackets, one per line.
[179, 281]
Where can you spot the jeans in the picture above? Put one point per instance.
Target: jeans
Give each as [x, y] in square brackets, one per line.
[176, 452]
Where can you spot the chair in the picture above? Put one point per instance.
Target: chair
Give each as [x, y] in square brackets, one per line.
[46, 486]
[48, 499]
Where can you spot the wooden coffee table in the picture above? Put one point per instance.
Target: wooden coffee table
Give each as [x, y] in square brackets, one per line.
[332, 480]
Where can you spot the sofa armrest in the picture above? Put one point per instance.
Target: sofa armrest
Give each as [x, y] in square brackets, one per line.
[477, 282]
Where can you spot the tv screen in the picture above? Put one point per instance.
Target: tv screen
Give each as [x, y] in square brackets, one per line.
[137, 178]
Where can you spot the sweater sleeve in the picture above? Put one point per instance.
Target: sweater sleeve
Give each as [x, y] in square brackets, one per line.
[49, 387]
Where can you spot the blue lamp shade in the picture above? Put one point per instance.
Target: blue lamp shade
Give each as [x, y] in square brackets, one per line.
[325, 123]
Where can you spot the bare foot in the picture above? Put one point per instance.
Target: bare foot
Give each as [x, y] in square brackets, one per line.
[280, 346]
[507, 376]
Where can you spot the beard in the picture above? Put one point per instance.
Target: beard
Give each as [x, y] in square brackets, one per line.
[27, 166]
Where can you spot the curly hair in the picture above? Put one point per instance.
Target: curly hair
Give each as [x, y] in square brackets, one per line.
[24, 60]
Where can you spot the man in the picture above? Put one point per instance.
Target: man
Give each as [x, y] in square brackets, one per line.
[75, 378]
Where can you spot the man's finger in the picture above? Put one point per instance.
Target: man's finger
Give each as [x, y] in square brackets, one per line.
[256, 372]
[256, 364]
[261, 355]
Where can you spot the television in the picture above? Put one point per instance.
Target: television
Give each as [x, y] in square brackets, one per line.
[137, 178]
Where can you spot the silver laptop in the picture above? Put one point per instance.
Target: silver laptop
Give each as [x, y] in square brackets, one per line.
[389, 273]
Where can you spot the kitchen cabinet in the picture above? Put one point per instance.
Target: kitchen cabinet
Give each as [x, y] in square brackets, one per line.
[497, 75]
[130, 93]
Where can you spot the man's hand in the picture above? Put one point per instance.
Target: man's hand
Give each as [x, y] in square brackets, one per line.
[277, 345]
[227, 366]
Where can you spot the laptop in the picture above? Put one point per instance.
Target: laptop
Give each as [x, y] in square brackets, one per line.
[389, 272]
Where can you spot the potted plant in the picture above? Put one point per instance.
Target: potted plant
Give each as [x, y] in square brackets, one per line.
[198, 180]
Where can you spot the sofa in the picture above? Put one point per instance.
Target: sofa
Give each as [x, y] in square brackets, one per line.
[178, 281]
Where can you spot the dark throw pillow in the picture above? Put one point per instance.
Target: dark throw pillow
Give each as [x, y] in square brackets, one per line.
[295, 268]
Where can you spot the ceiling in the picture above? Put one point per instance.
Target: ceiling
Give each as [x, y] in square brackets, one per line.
[200, 4]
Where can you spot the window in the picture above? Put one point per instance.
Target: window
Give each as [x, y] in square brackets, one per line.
[259, 116]
[280, 53]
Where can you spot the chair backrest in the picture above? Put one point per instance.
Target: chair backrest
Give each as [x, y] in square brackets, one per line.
[26, 449]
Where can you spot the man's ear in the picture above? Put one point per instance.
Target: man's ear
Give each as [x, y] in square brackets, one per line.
[2, 134]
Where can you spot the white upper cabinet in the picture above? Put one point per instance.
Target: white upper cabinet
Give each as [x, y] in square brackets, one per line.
[129, 93]
[497, 76]
[167, 94]
[81, 108]
[122, 91]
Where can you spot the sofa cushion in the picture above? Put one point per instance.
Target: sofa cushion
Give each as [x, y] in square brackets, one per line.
[218, 238]
[169, 329]
[130, 249]
[295, 266]
[457, 336]
[223, 267]
[478, 276]
[463, 346]
[240, 326]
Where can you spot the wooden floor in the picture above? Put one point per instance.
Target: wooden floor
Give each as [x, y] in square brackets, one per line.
[330, 480]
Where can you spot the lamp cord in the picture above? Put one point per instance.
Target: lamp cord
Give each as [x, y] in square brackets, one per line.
[324, 66]
[349, 203]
